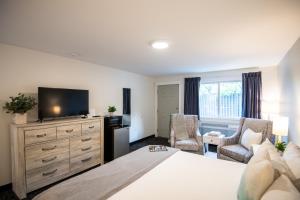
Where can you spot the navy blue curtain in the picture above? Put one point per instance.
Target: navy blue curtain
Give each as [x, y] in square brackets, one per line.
[252, 92]
[191, 96]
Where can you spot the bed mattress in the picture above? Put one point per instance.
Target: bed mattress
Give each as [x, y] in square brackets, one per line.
[102, 182]
[186, 176]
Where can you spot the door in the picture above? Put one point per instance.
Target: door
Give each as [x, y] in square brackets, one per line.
[167, 104]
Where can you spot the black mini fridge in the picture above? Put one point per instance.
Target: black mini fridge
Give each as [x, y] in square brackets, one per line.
[116, 138]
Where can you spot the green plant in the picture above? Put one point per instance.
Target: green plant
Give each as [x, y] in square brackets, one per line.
[20, 104]
[280, 146]
[112, 109]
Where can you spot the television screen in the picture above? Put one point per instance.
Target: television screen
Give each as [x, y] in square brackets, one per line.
[56, 102]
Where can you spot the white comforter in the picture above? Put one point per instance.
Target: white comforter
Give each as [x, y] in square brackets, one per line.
[186, 176]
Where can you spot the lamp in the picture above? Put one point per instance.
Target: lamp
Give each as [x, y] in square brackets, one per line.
[280, 126]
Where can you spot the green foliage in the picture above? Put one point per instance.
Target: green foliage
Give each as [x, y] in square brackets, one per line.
[280, 146]
[226, 88]
[112, 109]
[230, 88]
[19, 104]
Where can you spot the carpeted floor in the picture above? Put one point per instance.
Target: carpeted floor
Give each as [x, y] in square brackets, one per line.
[149, 141]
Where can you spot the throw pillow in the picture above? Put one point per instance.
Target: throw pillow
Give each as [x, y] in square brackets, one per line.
[291, 156]
[250, 137]
[274, 154]
[277, 161]
[257, 177]
[282, 188]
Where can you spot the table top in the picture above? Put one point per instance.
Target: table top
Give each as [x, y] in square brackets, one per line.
[214, 134]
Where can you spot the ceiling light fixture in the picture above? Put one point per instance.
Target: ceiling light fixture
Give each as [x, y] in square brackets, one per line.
[160, 44]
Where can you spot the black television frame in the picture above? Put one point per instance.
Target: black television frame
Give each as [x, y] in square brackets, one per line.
[41, 114]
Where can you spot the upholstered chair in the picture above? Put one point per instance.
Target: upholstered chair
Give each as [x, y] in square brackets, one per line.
[193, 142]
[230, 148]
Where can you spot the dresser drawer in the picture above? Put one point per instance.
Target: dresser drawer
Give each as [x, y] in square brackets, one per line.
[40, 135]
[85, 161]
[40, 177]
[84, 144]
[46, 149]
[68, 131]
[83, 149]
[46, 160]
[90, 127]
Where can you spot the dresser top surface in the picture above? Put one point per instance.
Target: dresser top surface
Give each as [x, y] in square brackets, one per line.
[56, 122]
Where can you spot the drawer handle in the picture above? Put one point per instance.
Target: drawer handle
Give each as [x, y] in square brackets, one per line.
[87, 159]
[49, 149]
[86, 149]
[90, 127]
[41, 135]
[49, 160]
[49, 173]
[87, 139]
[70, 131]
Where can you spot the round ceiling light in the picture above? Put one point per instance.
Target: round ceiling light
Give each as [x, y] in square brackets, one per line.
[160, 44]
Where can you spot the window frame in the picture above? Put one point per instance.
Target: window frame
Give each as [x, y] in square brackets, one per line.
[221, 119]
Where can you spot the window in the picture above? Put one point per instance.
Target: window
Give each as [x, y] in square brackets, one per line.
[221, 100]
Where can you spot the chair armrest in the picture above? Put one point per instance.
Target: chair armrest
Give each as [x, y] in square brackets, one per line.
[230, 140]
[172, 137]
[199, 137]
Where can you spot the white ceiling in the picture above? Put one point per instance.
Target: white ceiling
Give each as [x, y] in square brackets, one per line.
[205, 35]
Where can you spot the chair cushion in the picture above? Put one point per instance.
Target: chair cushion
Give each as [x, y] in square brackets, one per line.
[189, 145]
[236, 152]
[250, 137]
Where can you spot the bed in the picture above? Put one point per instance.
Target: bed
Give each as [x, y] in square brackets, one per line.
[153, 175]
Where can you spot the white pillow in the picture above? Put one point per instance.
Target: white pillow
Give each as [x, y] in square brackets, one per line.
[291, 156]
[250, 137]
[279, 164]
[282, 188]
[257, 177]
[274, 154]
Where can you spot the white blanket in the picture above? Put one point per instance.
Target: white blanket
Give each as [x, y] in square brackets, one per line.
[186, 176]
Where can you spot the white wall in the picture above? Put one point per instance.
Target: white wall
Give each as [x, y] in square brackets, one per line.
[23, 70]
[270, 83]
[289, 71]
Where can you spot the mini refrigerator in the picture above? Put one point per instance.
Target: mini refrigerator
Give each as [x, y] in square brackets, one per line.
[116, 138]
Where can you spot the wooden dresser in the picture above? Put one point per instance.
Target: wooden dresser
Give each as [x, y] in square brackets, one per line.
[43, 153]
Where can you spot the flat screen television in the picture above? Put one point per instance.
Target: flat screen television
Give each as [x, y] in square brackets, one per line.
[58, 102]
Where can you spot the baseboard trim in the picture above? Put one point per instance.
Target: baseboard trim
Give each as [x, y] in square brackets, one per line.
[140, 140]
[5, 187]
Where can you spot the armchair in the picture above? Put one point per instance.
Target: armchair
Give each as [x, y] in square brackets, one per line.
[194, 141]
[231, 149]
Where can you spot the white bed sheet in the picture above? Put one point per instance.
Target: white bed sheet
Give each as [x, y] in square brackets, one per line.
[186, 176]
